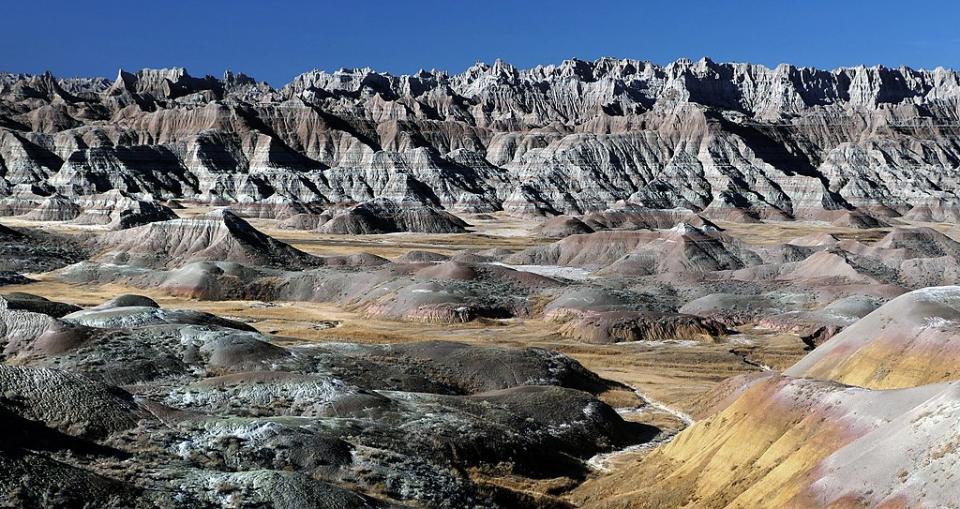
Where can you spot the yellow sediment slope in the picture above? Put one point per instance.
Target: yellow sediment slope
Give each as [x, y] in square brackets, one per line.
[805, 439]
[912, 340]
[757, 452]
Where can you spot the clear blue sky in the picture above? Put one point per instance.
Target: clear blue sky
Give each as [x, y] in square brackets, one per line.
[276, 40]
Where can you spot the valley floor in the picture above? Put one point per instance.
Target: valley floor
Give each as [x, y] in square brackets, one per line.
[674, 374]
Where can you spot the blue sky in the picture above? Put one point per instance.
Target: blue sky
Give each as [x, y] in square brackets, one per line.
[274, 41]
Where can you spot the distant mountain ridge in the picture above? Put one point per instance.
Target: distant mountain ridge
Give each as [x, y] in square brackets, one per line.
[737, 141]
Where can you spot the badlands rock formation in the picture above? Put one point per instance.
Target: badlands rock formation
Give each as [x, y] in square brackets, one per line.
[909, 341]
[781, 441]
[27, 251]
[727, 140]
[214, 414]
[386, 216]
[220, 235]
[119, 211]
[665, 228]
[54, 208]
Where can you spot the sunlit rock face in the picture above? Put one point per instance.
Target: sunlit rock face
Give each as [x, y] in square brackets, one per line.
[728, 140]
[867, 419]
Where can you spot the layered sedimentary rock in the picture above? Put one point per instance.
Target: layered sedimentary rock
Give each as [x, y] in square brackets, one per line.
[387, 216]
[213, 407]
[617, 326]
[684, 248]
[275, 207]
[907, 342]
[784, 442]
[54, 208]
[220, 235]
[730, 141]
[28, 251]
[772, 440]
[631, 217]
[119, 211]
[563, 226]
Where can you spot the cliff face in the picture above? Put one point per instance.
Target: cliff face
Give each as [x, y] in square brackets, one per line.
[731, 140]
